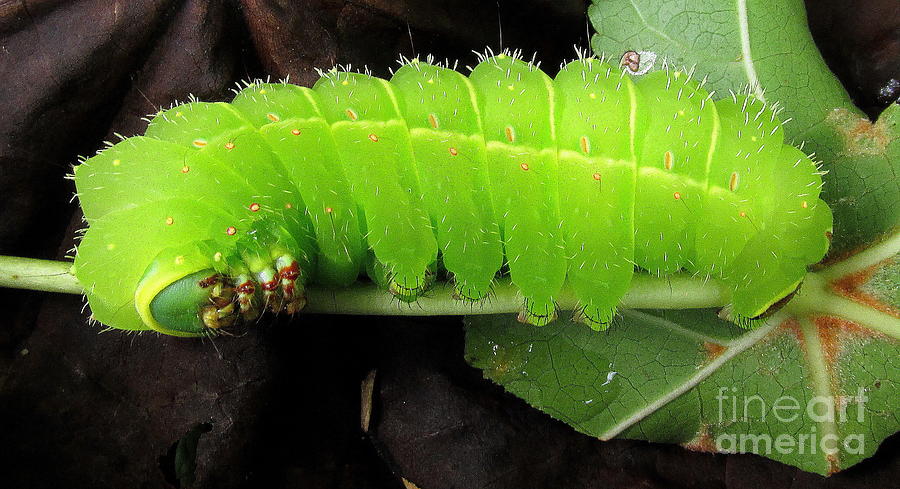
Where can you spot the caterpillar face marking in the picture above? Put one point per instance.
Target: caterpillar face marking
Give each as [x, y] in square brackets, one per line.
[221, 211]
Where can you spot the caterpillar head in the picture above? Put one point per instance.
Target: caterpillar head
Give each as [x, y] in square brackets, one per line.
[192, 291]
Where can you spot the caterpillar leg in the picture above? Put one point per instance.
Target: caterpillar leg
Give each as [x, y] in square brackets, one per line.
[410, 286]
[538, 312]
[205, 296]
[471, 291]
[199, 287]
[764, 282]
[597, 317]
[406, 286]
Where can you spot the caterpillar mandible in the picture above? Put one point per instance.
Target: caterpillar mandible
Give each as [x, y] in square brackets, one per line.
[221, 210]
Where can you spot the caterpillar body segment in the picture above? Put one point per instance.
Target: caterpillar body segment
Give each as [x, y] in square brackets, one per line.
[441, 110]
[597, 121]
[289, 120]
[773, 262]
[576, 180]
[675, 155]
[517, 103]
[738, 197]
[373, 143]
[143, 170]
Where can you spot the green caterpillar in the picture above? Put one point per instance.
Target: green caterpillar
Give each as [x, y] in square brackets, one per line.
[221, 210]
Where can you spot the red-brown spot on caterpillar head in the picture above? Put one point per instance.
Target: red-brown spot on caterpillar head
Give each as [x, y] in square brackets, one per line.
[208, 281]
[453, 151]
[432, 121]
[351, 114]
[199, 143]
[510, 135]
[229, 145]
[254, 207]
[271, 284]
[668, 160]
[733, 181]
[231, 231]
[373, 138]
[246, 288]
[742, 214]
[329, 210]
[272, 117]
[596, 176]
[290, 272]
[170, 220]
[804, 204]
[585, 145]
[524, 166]
[185, 169]
[677, 195]
[295, 132]
[631, 60]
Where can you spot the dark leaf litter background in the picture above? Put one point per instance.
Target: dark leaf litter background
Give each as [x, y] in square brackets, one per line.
[280, 406]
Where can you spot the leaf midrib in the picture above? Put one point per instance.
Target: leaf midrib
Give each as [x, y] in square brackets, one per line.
[746, 54]
[733, 348]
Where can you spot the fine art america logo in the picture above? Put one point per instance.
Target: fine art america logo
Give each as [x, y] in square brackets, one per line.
[823, 413]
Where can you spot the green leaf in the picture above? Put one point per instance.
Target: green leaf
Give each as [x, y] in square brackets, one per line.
[688, 377]
[685, 377]
[766, 44]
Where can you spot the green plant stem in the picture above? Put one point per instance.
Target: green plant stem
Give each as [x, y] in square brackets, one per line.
[646, 292]
[32, 274]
